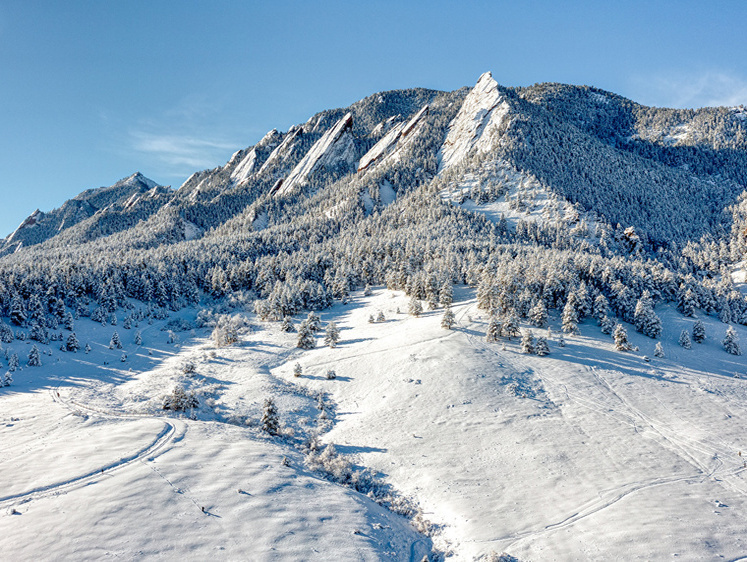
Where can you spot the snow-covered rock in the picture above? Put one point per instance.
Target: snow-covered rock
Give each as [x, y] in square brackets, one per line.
[282, 149]
[391, 143]
[474, 127]
[336, 146]
[250, 163]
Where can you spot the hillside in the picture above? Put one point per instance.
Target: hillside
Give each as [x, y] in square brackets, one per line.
[552, 206]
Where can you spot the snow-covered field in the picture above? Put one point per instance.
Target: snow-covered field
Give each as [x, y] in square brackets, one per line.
[588, 453]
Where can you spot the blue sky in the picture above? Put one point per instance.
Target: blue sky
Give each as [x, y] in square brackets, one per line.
[93, 91]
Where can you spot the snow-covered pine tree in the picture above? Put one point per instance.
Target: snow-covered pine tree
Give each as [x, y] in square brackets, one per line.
[297, 370]
[367, 290]
[607, 324]
[72, 343]
[313, 322]
[87, 349]
[731, 342]
[446, 294]
[138, 338]
[380, 317]
[332, 335]
[13, 362]
[601, 308]
[645, 319]
[527, 342]
[287, 325]
[538, 314]
[569, 317]
[34, 357]
[510, 327]
[414, 307]
[541, 348]
[699, 332]
[305, 336]
[494, 329]
[620, 335]
[115, 342]
[69, 321]
[658, 350]
[448, 320]
[685, 339]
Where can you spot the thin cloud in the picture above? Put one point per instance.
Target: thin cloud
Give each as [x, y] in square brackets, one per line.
[180, 151]
[707, 89]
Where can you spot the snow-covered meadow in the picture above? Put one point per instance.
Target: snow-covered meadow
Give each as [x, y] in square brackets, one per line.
[588, 453]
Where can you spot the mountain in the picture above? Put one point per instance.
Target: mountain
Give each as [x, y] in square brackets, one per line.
[104, 210]
[539, 295]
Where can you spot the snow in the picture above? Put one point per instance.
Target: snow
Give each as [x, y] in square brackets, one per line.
[282, 149]
[475, 126]
[588, 453]
[245, 168]
[336, 145]
[389, 145]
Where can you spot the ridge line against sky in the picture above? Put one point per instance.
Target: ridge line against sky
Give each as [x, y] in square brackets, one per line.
[94, 91]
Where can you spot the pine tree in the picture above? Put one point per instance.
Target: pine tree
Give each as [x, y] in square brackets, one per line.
[607, 324]
[541, 348]
[538, 314]
[527, 342]
[34, 357]
[380, 317]
[331, 374]
[446, 294]
[367, 290]
[659, 350]
[685, 339]
[115, 342]
[313, 322]
[124, 357]
[645, 319]
[305, 336]
[332, 336]
[297, 370]
[699, 332]
[72, 343]
[371, 319]
[287, 325]
[448, 320]
[13, 362]
[561, 340]
[127, 323]
[138, 338]
[69, 321]
[87, 349]
[414, 307]
[570, 316]
[601, 308]
[494, 330]
[731, 342]
[620, 335]
[510, 326]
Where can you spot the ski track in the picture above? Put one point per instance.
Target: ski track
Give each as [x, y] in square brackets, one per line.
[154, 449]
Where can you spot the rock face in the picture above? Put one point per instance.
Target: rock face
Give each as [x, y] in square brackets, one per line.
[251, 160]
[392, 142]
[336, 147]
[476, 124]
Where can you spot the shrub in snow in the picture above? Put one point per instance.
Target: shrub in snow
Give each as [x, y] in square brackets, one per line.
[527, 342]
[115, 342]
[541, 348]
[305, 336]
[34, 357]
[138, 338]
[188, 368]
[731, 342]
[561, 341]
[331, 374]
[332, 335]
[88, 348]
[270, 421]
[685, 339]
[124, 357]
[448, 320]
[658, 350]
[297, 370]
[179, 400]
[287, 325]
[371, 319]
[226, 331]
[367, 290]
[620, 335]
[380, 317]
[699, 332]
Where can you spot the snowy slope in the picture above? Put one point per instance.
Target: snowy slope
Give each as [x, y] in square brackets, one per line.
[392, 142]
